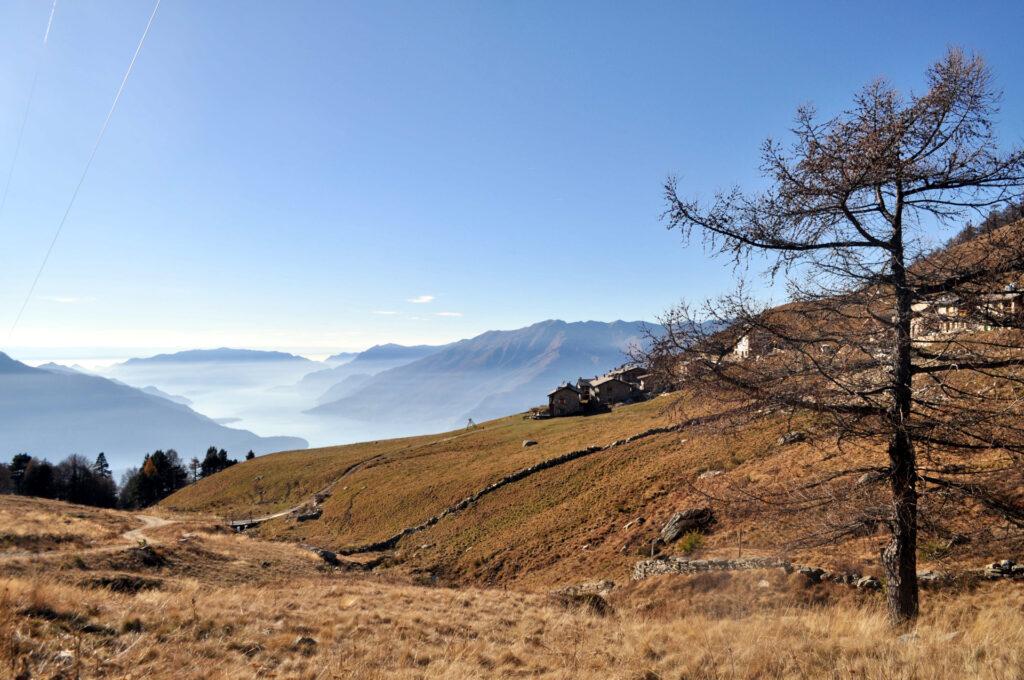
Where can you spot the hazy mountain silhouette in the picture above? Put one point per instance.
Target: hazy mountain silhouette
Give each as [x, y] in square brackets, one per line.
[490, 375]
[53, 413]
[341, 357]
[157, 392]
[220, 355]
[375, 360]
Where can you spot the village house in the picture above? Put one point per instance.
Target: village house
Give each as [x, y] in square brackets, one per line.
[742, 348]
[622, 384]
[952, 314]
[583, 387]
[610, 389]
[628, 374]
[564, 400]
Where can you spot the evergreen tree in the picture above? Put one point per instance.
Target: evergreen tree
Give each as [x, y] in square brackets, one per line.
[215, 461]
[161, 475]
[19, 462]
[250, 455]
[101, 467]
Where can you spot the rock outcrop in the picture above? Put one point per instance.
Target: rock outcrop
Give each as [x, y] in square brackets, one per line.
[690, 519]
[1004, 569]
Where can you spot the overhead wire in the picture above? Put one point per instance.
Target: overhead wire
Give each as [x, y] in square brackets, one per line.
[85, 170]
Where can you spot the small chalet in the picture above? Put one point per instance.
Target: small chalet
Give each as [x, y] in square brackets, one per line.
[564, 400]
[611, 390]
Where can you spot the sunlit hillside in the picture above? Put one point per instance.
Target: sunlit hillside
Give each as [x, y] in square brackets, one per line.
[591, 517]
[86, 593]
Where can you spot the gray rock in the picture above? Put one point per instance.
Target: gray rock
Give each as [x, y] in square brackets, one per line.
[691, 519]
[932, 578]
[998, 570]
[529, 442]
[710, 473]
[868, 583]
[792, 437]
[327, 556]
[814, 574]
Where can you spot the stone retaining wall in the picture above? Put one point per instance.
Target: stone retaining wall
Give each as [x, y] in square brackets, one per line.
[682, 565]
[391, 541]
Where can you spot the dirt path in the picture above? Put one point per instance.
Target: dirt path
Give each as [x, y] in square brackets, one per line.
[128, 539]
[148, 522]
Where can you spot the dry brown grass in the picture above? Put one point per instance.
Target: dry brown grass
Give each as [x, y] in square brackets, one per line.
[221, 605]
[34, 525]
[341, 626]
[572, 522]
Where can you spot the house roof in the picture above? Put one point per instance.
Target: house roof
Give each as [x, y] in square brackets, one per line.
[607, 379]
[560, 388]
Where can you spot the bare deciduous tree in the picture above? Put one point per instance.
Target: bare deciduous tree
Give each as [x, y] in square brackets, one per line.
[882, 338]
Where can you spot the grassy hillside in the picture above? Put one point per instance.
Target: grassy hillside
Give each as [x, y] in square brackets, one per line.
[560, 525]
[590, 518]
[403, 478]
[196, 602]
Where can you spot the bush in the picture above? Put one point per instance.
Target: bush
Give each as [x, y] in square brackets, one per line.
[690, 542]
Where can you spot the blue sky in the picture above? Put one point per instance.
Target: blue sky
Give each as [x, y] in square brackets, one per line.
[318, 176]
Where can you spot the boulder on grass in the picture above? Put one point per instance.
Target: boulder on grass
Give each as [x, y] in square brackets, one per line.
[792, 437]
[691, 519]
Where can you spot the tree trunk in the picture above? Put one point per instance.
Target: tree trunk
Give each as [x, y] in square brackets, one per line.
[900, 557]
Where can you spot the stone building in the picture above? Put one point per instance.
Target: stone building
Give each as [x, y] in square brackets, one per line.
[564, 400]
[611, 390]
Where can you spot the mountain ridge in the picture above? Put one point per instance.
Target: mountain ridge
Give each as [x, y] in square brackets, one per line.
[492, 374]
[55, 413]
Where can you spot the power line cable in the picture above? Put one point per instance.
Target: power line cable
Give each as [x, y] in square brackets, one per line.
[85, 171]
[28, 107]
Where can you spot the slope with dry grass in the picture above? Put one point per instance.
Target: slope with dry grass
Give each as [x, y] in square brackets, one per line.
[586, 519]
[197, 602]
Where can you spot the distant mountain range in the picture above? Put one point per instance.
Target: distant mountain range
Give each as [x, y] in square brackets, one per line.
[341, 357]
[157, 392]
[155, 402]
[220, 356]
[490, 375]
[336, 382]
[55, 411]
